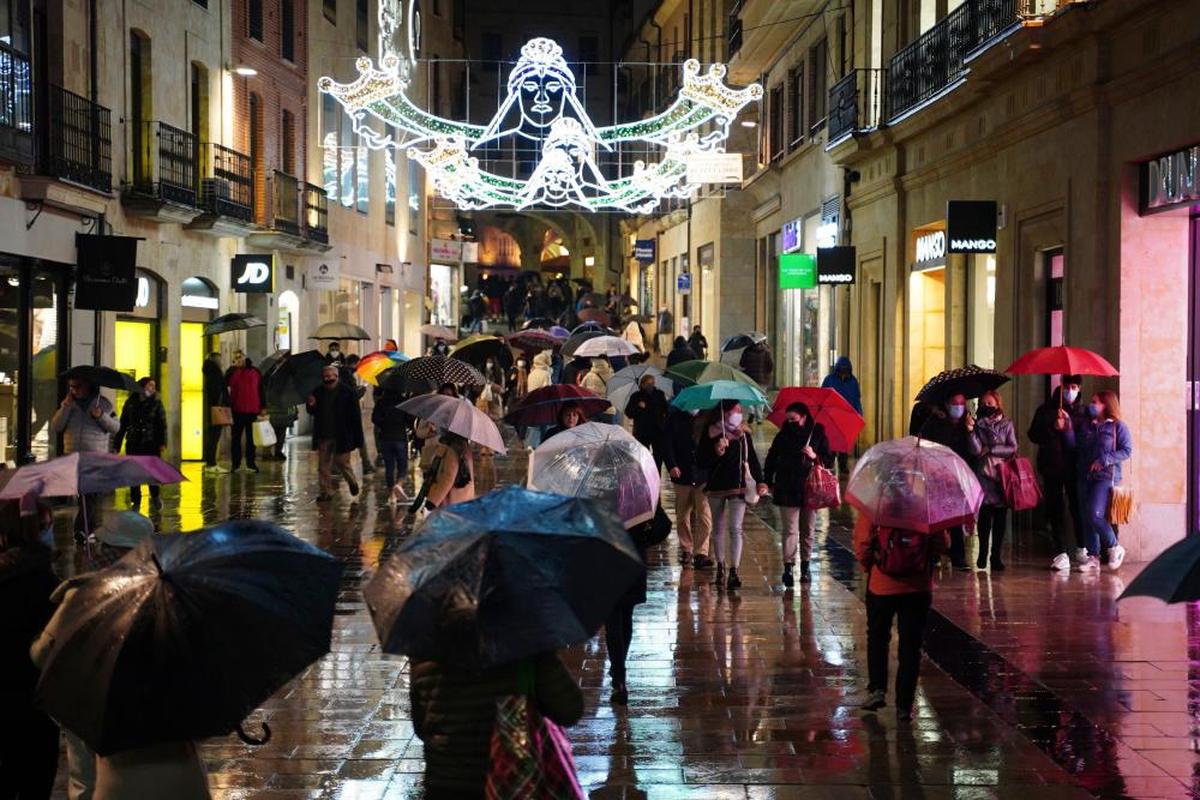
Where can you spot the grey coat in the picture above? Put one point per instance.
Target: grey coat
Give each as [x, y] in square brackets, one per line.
[83, 434]
[993, 440]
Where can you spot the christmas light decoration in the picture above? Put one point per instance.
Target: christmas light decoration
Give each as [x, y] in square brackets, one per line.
[543, 115]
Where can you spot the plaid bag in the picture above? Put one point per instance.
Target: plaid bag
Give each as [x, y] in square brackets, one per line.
[821, 489]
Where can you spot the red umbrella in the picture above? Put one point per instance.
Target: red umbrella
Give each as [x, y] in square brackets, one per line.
[1062, 360]
[842, 423]
[541, 406]
[593, 315]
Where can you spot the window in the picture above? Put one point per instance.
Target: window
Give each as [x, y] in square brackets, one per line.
[362, 24]
[775, 124]
[796, 128]
[329, 7]
[389, 169]
[141, 109]
[329, 146]
[491, 47]
[287, 142]
[198, 126]
[257, 160]
[843, 48]
[254, 20]
[287, 32]
[589, 54]
[818, 87]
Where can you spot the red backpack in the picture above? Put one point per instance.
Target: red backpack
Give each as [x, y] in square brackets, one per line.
[901, 553]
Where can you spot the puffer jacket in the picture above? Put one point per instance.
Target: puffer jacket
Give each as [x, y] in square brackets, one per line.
[539, 376]
[143, 426]
[596, 380]
[725, 472]
[81, 433]
[787, 468]
[994, 440]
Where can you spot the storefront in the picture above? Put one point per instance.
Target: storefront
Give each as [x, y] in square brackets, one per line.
[927, 303]
[443, 295]
[808, 317]
[287, 322]
[137, 335]
[198, 306]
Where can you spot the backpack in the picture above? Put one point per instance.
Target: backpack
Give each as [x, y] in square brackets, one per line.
[900, 553]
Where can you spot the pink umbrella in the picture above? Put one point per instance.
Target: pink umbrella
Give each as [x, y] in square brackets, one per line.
[914, 484]
[87, 473]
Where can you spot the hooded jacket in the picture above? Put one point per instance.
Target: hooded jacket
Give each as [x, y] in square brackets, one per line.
[787, 468]
[596, 380]
[539, 376]
[848, 388]
[80, 431]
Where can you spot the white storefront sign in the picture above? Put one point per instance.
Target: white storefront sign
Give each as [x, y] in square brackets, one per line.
[931, 247]
[445, 250]
[714, 168]
[324, 276]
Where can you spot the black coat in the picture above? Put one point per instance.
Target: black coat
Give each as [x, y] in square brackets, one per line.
[348, 431]
[1053, 458]
[649, 414]
[699, 344]
[216, 391]
[678, 448]
[646, 535]
[392, 424]
[26, 583]
[938, 427]
[143, 426]
[787, 468]
[678, 355]
[725, 474]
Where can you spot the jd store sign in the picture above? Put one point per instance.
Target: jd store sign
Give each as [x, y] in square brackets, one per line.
[253, 274]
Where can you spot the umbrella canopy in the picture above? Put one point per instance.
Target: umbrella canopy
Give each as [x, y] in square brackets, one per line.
[828, 408]
[576, 340]
[534, 340]
[187, 634]
[602, 462]
[1062, 360]
[339, 330]
[624, 383]
[372, 366]
[969, 381]
[501, 578]
[610, 346]
[696, 371]
[741, 341]
[914, 484]
[1174, 576]
[594, 315]
[232, 322]
[272, 362]
[457, 415]
[541, 406]
[290, 383]
[707, 395]
[427, 373]
[102, 376]
[440, 332]
[537, 323]
[591, 326]
[558, 331]
[87, 473]
[478, 348]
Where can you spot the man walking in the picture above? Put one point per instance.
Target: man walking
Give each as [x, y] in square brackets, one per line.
[337, 430]
[665, 328]
[245, 397]
[216, 393]
[693, 515]
[648, 408]
[843, 381]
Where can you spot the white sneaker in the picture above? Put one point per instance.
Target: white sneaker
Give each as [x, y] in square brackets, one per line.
[1081, 555]
[1116, 557]
[1061, 563]
[1091, 564]
[217, 470]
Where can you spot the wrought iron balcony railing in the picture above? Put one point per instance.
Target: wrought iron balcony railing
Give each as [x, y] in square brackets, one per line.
[316, 213]
[172, 176]
[856, 103]
[76, 142]
[229, 191]
[16, 105]
[285, 203]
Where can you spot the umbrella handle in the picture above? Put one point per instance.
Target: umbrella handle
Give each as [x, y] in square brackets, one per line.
[248, 739]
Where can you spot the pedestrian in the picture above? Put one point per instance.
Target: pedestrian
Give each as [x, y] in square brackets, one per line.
[632, 333]
[573, 371]
[245, 398]
[454, 472]
[333, 354]
[899, 566]
[569, 416]
[726, 451]
[843, 381]
[440, 347]
[1099, 445]
[391, 427]
[596, 380]
[348, 373]
[337, 430]
[758, 363]
[993, 441]
[493, 392]
[681, 351]
[693, 517]
[86, 422]
[216, 393]
[281, 420]
[426, 433]
[518, 382]
[390, 346]
[1056, 467]
[664, 326]
[144, 432]
[950, 426]
[478, 310]
[698, 343]
[28, 738]
[514, 302]
[648, 409]
[800, 445]
[618, 626]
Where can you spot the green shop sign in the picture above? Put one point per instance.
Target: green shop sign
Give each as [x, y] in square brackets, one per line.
[797, 271]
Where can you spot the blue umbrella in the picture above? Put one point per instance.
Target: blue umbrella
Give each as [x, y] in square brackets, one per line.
[708, 395]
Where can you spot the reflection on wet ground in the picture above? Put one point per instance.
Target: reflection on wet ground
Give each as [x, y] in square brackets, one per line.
[1036, 685]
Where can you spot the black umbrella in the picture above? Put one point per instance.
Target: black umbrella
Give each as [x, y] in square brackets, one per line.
[1174, 576]
[969, 381]
[476, 350]
[232, 322]
[427, 373]
[102, 376]
[293, 380]
[271, 362]
[187, 634]
[503, 577]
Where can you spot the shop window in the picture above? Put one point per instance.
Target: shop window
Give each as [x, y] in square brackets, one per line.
[287, 29]
[818, 86]
[254, 19]
[796, 129]
[362, 24]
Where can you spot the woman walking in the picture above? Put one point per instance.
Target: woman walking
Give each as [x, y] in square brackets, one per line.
[454, 480]
[800, 444]
[143, 432]
[1099, 445]
[993, 440]
[727, 453]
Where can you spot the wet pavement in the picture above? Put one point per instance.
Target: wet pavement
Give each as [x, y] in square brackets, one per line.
[1036, 685]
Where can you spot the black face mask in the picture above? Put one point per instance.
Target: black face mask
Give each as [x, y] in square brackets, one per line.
[329, 381]
[986, 411]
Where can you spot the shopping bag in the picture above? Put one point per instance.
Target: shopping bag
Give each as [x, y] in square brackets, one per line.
[221, 416]
[750, 486]
[1120, 505]
[1019, 483]
[264, 434]
[822, 489]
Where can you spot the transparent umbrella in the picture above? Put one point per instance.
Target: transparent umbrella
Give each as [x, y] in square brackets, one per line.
[914, 484]
[624, 383]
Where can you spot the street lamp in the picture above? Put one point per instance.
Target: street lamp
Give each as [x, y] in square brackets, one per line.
[244, 71]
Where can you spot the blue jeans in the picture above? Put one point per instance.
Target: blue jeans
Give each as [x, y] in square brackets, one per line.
[1093, 506]
[395, 460]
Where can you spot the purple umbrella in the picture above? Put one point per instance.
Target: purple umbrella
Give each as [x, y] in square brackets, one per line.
[87, 473]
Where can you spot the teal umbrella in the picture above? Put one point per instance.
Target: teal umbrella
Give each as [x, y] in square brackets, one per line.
[707, 395]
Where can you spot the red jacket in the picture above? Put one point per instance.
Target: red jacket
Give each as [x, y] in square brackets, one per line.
[244, 390]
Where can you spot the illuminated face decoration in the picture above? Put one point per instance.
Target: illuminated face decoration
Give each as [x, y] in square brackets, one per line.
[567, 172]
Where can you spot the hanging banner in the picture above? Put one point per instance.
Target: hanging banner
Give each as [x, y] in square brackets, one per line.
[105, 278]
[324, 277]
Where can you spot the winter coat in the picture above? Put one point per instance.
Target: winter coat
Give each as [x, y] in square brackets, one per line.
[787, 468]
[649, 415]
[454, 710]
[390, 422]
[678, 448]
[443, 492]
[596, 380]
[245, 390]
[539, 376]
[26, 583]
[699, 344]
[758, 363]
[848, 388]
[939, 428]
[1053, 458]
[80, 431]
[998, 437]
[725, 472]
[216, 392]
[678, 355]
[633, 335]
[347, 432]
[1107, 441]
[645, 535]
[143, 426]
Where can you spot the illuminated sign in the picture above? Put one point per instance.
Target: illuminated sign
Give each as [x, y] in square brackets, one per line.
[643, 250]
[253, 273]
[971, 226]
[797, 271]
[931, 247]
[790, 236]
[1171, 180]
[835, 265]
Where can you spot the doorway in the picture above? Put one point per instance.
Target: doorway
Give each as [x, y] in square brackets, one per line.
[133, 353]
[926, 326]
[193, 346]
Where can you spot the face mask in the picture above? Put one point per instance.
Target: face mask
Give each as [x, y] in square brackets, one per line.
[987, 411]
[734, 419]
[1071, 395]
[956, 412]
[329, 381]
[1094, 410]
[794, 423]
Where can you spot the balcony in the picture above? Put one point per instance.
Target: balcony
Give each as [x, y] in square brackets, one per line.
[226, 194]
[164, 186]
[74, 154]
[281, 217]
[856, 104]
[16, 107]
[316, 218]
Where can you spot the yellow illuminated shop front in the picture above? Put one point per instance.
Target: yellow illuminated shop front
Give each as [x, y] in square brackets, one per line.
[137, 335]
[199, 305]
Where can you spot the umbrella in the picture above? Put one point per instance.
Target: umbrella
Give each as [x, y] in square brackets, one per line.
[699, 371]
[1062, 360]
[537, 323]
[457, 415]
[440, 332]
[706, 395]
[501, 578]
[733, 347]
[1174, 576]
[828, 408]
[591, 326]
[373, 365]
[187, 634]
[232, 322]
[87, 473]
[559, 332]
[290, 383]
[271, 362]
[969, 381]
[102, 376]
[914, 484]
[339, 330]
[478, 348]
[602, 462]
[624, 383]
[427, 373]
[534, 340]
[541, 406]
[610, 346]
[576, 339]
[594, 315]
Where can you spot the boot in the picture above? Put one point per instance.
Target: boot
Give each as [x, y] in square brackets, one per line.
[734, 582]
[981, 561]
[805, 574]
[997, 547]
[788, 580]
[720, 581]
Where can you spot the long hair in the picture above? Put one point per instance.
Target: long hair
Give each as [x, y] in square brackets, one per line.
[1112, 405]
[992, 393]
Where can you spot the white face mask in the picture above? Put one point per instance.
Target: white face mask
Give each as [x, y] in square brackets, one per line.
[956, 412]
[1071, 395]
[735, 419]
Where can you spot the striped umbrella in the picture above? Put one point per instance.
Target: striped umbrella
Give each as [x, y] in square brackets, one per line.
[373, 365]
[427, 373]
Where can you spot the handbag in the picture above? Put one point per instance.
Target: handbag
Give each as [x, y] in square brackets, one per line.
[1019, 483]
[821, 489]
[1120, 498]
[264, 434]
[221, 416]
[750, 486]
